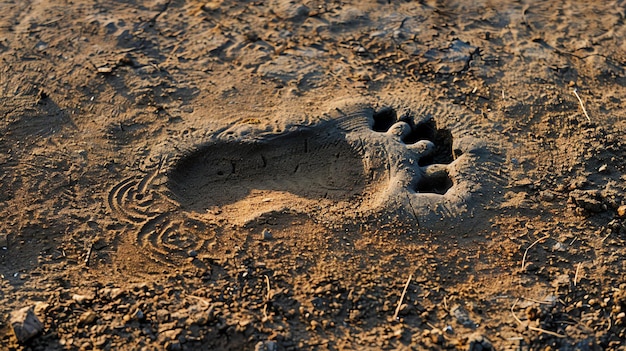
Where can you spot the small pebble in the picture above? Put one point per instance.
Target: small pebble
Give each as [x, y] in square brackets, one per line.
[546, 196]
[139, 315]
[436, 336]
[87, 318]
[25, 324]
[267, 234]
[621, 211]
[559, 246]
[478, 342]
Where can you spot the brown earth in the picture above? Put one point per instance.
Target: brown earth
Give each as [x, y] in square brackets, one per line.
[181, 175]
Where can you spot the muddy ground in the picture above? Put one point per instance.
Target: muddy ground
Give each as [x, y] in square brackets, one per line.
[183, 175]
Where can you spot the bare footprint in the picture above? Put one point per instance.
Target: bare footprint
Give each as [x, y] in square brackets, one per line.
[357, 161]
[312, 163]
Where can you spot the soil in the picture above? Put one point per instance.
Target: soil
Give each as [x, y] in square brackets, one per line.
[316, 175]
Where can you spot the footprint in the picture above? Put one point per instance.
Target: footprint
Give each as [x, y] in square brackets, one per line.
[311, 163]
[358, 161]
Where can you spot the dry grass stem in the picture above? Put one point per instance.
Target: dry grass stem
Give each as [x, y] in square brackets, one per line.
[576, 274]
[267, 296]
[537, 301]
[267, 282]
[88, 256]
[582, 105]
[528, 248]
[406, 286]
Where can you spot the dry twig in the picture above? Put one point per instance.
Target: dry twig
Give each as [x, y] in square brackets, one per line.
[406, 286]
[576, 274]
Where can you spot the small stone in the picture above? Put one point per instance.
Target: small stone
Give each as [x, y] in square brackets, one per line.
[111, 293]
[462, 316]
[139, 315]
[174, 346]
[603, 168]
[162, 315]
[436, 336]
[105, 70]
[87, 318]
[267, 234]
[211, 6]
[387, 306]
[100, 341]
[25, 324]
[193, 253]
[546, 196]
[266, 346]
[245, 322]
[291, 10]
[477, 342]
[405, 309]
[559, 246]
[621, 211]
[82, 299]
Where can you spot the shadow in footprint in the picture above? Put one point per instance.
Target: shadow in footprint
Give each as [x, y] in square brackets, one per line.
[436, 181]
[312, 163]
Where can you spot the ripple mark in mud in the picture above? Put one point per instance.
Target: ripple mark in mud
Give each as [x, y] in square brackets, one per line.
[168, 241]
[131, 200]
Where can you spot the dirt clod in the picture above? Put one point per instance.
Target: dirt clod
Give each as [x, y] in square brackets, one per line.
[25, 324]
